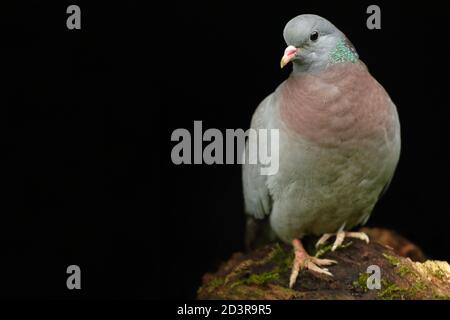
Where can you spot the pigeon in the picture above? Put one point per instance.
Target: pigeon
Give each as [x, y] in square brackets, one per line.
[339, 145]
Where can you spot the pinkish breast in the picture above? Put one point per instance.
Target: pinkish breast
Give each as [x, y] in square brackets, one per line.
[339, 105]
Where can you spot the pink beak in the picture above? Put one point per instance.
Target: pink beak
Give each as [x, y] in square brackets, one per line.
[289, 54]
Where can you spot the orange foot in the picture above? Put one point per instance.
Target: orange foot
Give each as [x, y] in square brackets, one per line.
[304, 261]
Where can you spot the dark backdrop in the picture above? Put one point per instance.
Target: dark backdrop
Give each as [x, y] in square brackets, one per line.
[81, 150]
[87, 117]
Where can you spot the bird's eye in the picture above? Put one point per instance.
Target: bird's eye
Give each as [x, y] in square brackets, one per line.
[314, 36]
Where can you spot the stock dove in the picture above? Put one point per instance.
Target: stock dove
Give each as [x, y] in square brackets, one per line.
[339, 145]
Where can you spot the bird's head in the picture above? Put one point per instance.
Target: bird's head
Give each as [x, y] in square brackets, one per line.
[315, 43]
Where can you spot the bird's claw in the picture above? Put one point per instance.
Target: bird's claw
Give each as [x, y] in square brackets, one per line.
[304, 261]
[340, 236]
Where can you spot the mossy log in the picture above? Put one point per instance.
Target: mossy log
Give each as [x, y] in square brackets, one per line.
[264, 273]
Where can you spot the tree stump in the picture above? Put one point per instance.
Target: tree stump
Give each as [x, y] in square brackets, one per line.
[264, 273]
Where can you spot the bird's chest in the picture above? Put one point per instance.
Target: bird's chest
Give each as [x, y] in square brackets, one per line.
[335, 152]
[335, 139]
[335, 108]
[346, 169]
[319, 188]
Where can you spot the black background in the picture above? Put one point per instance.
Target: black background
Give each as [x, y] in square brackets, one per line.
[86, 120]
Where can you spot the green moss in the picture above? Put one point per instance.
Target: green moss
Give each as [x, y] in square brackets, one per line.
[327, 248]
[262, 278]
[322, 250]
[403, 270]
[391, 259]
[236, 283]
[282, 261]
[258, 279]
[361, 283]
[281, 258]
[419, 286]
[439, 274]
[212, 285]
[215, 283]
[392, 292]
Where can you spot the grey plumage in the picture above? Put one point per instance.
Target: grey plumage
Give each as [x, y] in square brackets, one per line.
[339, 140]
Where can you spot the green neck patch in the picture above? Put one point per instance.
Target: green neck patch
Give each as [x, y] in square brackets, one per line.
[344, 52]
